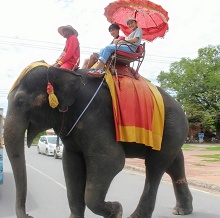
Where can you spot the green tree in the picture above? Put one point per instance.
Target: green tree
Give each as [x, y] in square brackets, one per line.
[195, 83]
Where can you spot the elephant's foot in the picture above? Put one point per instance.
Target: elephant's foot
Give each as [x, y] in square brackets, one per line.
[116, 211]
[24, 216]
[184, 204]
[73, 216]
[20, 212]
[136, 215]
[183, 210]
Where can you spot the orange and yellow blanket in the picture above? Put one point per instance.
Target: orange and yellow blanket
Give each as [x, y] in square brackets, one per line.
[138, 110]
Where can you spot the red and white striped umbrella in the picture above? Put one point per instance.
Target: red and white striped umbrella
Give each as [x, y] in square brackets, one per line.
[152, 18]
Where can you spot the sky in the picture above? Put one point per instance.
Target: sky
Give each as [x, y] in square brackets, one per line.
[28, 33]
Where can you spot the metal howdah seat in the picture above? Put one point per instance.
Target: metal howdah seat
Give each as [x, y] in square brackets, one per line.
[126, 58]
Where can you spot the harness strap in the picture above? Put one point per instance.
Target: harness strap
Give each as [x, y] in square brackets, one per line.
[86, 107]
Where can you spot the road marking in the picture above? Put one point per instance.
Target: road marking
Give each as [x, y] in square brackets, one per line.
[170, 183]
[127, 171]
[62, 186]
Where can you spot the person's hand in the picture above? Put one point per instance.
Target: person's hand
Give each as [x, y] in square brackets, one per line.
[121, 38]
[94, 57]
[115, 41]
[56, 65]
[122, 42]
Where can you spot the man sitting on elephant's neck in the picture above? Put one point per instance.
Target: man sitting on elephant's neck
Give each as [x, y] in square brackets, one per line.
[70, 56]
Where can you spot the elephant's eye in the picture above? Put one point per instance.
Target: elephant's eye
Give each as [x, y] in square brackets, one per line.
[20, 99]
[20, 102]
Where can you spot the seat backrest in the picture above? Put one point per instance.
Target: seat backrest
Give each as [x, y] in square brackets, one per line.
[141, 48]
[123, 57]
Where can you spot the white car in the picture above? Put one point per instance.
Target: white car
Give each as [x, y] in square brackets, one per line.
[47, 144]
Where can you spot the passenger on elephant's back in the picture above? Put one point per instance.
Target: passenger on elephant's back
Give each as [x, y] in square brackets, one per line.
[70, 57]
[114, 31]
[133, 40]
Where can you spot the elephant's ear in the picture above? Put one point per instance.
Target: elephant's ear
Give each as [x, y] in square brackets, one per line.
[54, 72]
[66, 85]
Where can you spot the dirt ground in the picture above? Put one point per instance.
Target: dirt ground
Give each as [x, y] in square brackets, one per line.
[201, 172]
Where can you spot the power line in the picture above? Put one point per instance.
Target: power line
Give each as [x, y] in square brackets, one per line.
[163, 56]
[31, 40]
[28, 45]
[38, 41]
[59, 44]
[82, 52]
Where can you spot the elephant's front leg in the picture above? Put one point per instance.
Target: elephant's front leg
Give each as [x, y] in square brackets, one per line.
[183, 196]
[101, 169]
[75, 178]
[15, 151]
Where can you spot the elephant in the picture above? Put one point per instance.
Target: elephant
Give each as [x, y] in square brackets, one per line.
[91, 156]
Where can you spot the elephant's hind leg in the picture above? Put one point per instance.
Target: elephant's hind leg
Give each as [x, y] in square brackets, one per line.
[155, 168]
[181, 189]
[100, 172]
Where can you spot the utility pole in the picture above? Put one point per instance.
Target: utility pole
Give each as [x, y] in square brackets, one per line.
[1, 146]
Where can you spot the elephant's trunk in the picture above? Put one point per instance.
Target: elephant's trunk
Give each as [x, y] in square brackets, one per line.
[14, 144]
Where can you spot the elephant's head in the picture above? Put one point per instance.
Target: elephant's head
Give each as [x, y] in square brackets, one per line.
[28, 106]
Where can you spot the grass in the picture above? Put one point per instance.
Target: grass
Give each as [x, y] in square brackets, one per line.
[213, 148]
[199, 165]
[35, 141]
[209, 160]
[210, 157]
[188, 147]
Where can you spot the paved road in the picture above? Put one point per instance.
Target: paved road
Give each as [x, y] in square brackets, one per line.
[46, 196]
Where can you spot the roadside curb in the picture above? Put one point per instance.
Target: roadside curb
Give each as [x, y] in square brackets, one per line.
[133, 168]
[204, 185]
[194, 183]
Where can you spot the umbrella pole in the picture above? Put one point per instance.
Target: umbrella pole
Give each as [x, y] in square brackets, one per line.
[113, 67]
[116, 73]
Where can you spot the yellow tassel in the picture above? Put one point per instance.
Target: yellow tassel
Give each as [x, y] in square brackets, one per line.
[53, 101]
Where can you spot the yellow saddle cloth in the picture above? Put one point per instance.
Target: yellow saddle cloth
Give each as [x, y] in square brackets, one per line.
[25, 71]
[138, 110]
